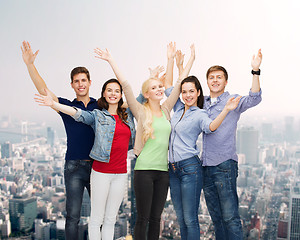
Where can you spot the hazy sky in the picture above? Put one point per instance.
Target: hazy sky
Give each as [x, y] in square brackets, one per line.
[137, 32]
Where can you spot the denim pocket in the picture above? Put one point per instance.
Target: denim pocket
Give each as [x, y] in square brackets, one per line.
[227, 166]
[190, 169]
[71, 166]
[103, 121]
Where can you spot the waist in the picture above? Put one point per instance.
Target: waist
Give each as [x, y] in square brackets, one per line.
[184, 162]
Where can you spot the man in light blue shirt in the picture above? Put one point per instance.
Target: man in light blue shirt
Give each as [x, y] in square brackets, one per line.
[219, 151]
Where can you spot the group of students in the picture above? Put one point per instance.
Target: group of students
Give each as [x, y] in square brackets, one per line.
[100, 132]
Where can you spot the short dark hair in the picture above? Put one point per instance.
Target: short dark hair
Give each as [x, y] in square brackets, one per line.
[217, 68]
[193, 79]
[78, 70]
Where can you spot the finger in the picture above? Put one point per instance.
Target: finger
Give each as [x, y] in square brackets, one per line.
[38, 100]
[39, 95]
[36, 53]
[25, 45]
[22, 50]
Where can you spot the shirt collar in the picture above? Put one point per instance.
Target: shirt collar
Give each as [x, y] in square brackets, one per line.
[192, 108]
[91, 100]
[224, 95]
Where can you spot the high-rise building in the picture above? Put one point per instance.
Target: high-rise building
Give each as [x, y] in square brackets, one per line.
[247, 144]
[294, 213]
[86, 204]
[289, 134]
[50, 136]
[24, 131]
[6, 150]
[22, 211]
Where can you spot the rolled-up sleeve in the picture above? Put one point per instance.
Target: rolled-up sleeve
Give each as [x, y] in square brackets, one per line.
[205, 121]
[83, 116]
[249, 101]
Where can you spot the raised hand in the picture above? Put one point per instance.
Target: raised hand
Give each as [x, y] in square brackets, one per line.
[154, 73]
[193, 50]
[27, 54]
[179, 58]
[256, 61]
[43, 100]
[162, 78]
[171, 50]
[103, 54]
[232, 103]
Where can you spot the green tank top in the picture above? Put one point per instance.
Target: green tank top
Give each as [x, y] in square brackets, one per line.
[154, 155]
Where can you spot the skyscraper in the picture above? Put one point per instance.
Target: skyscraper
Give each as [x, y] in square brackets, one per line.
[22, 211]
[50, 136]
[6, 150]
[289, 129]
[247, 144]
[294, 210]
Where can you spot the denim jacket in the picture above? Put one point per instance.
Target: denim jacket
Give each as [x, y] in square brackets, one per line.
[103, 124]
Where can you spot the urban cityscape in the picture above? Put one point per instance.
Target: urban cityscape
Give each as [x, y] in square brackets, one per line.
[32, 204]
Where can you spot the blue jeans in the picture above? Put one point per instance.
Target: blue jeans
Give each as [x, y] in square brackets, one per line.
[186, 180]
[222, 201]
[77, 177]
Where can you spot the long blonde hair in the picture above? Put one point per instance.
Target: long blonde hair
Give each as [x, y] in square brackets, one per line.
[147, 122]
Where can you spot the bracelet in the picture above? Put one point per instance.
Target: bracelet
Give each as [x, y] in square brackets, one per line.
[256, 72]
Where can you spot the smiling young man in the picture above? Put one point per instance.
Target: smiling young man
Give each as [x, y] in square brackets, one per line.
[219, 156]
[80, 138]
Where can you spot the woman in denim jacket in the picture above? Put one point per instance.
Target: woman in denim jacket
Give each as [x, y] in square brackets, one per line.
[185, 169]
[151, 178]
[114, 132]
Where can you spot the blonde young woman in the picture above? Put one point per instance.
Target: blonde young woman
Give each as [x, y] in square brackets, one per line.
[151, 179]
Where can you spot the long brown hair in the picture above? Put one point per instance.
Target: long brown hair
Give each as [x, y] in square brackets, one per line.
[193, 79]
[102, 103]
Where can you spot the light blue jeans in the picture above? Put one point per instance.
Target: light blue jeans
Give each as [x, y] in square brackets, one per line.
[186, 182]
[222, 201]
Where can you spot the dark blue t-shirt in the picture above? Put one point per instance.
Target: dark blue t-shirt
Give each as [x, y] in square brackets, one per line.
[80, 137]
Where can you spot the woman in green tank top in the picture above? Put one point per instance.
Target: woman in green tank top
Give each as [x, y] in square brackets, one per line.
[151, 179]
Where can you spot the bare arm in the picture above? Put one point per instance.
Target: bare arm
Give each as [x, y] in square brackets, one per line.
[255, 63]
[171, 51]
[172, 99]
[28, 58]
[47, 100]
[189, 65]
[179, 61]
[231, 104]
[133, 104]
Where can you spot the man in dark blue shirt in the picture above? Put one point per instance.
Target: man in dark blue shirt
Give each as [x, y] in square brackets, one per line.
[80, 138]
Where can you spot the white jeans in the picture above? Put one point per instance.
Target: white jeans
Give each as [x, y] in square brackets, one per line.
[107, 192]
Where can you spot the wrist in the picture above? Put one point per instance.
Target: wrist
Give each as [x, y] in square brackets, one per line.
[255, 71]
[29, 64]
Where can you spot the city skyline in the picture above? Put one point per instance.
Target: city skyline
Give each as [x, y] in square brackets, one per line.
[34, 168]
[137, 33]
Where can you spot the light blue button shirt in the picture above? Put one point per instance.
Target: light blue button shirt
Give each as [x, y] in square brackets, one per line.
[220, 146]
[186, 130]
